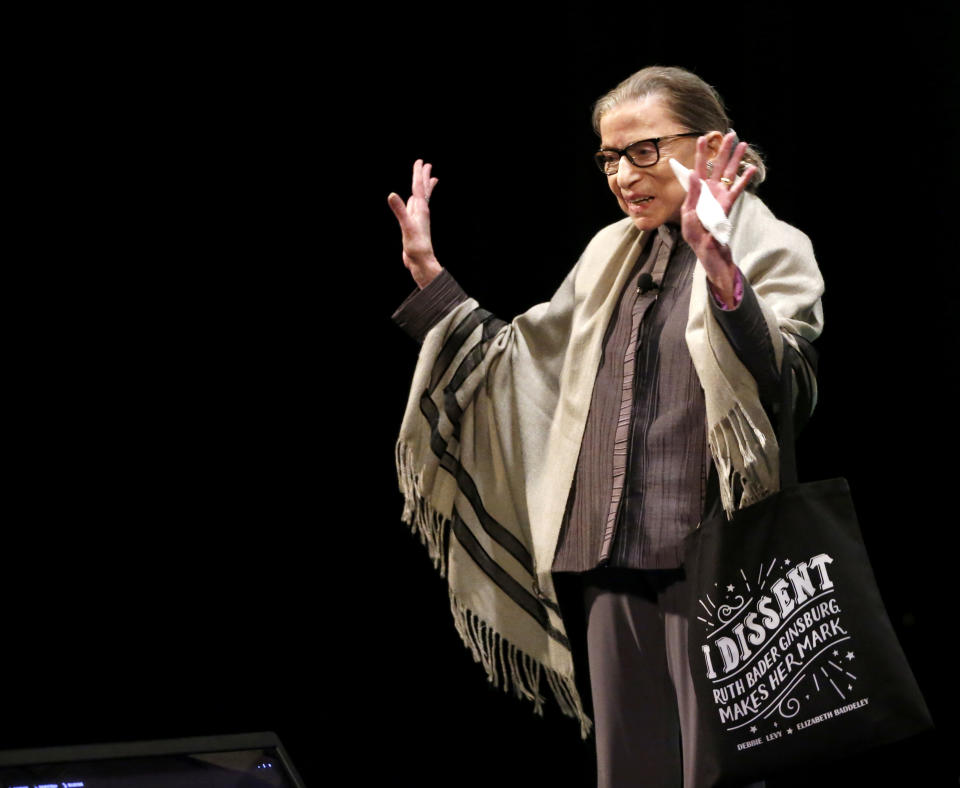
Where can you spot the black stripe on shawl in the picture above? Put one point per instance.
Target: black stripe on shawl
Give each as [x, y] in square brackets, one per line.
[468, 487]
[511, 587]
[491, 325]
[457, 337]
[472, 360]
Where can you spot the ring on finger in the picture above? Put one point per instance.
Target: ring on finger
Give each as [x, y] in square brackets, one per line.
[727, 181]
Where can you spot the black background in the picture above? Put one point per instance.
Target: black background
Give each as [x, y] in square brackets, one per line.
[204, 531]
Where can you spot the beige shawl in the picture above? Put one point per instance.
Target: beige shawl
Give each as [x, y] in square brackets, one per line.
[494, 422]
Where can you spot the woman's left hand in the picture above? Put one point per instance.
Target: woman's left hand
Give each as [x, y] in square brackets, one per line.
[714, 256]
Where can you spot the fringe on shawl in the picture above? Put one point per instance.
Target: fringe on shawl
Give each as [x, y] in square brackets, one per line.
[504, 663]
[418, 514]
[736, 432]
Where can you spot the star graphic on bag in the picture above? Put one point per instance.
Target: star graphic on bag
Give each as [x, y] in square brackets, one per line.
[849, 655]
[729, 588]
[836, 653]
[786, 561]
[789, 730]
[753, 729]
[776, 724]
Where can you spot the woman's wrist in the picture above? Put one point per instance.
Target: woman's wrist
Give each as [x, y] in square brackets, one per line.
[424, 274]
[726, 286]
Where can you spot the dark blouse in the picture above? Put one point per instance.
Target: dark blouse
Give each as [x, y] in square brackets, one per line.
[641, 476]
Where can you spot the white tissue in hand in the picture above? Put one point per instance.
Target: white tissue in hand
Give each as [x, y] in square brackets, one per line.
[709, 211]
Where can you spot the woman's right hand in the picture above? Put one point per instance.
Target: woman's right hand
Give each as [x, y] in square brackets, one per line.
[414, 218]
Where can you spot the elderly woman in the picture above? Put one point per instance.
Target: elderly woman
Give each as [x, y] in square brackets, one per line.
[553, 465]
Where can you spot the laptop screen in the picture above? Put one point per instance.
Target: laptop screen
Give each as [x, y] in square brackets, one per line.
[246, 761]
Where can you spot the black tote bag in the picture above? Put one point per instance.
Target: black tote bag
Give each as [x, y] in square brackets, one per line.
[793, 657]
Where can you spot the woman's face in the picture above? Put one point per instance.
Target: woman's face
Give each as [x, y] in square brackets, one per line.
[650, 196]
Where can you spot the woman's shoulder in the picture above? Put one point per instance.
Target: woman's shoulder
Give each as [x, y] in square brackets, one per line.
[770, 251]
[755, 225]
[606, 254]
[620, 228]
[751, 210]
[609, 238]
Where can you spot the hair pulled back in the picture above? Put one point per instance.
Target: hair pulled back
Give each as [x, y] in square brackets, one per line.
[693, 103]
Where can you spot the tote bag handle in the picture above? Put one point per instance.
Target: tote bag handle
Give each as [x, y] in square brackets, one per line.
[785, 418]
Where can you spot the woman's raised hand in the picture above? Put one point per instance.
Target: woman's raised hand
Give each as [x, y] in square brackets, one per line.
[722, 178]
[414, 218]
[726, 187]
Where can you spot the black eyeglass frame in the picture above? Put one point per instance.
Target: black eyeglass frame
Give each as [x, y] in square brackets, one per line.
[597, 157]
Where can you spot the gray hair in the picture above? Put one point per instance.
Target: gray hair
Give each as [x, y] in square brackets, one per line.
[693, 103]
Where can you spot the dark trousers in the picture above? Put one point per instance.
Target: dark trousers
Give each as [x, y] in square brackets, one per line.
[629, 636]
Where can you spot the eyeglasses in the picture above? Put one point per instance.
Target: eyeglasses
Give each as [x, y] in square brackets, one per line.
[644, 153]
